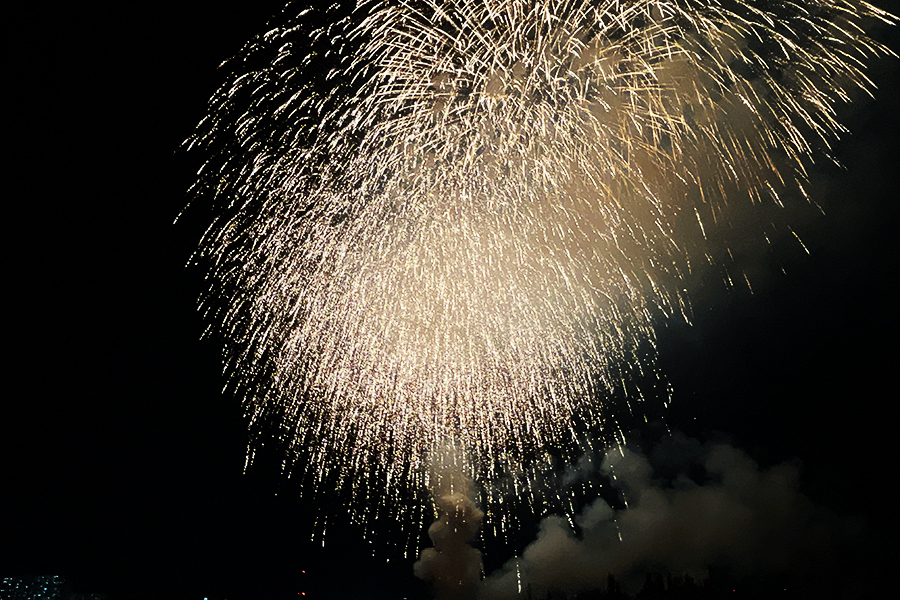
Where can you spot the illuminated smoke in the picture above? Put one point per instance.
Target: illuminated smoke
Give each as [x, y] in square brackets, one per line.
[453, 565]
[734, 515]
[457, 221]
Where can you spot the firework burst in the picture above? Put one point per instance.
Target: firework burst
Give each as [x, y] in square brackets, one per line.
[455, 222]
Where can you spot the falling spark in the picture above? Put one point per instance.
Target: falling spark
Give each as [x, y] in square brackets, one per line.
[456, 221]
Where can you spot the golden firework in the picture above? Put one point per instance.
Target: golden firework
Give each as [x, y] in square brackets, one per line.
[454, 222]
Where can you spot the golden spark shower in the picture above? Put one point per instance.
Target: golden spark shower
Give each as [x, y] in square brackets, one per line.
[455, 223]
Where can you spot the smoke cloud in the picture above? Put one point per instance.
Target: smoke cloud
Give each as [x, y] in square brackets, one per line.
[687, 507]
[452, 565]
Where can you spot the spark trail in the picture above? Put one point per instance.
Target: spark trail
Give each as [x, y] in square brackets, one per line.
[455, 222]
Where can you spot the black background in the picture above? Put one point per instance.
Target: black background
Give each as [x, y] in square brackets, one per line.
[120, 460]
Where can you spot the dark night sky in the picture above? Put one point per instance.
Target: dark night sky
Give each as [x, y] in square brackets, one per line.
[121, 460]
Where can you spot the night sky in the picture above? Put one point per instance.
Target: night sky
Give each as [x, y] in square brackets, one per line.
[122, 460]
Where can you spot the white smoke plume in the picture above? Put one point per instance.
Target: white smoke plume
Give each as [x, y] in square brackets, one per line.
[737, 516]
[452, 565]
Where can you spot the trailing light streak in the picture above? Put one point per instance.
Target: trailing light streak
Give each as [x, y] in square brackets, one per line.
[454, 222]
